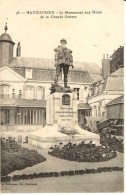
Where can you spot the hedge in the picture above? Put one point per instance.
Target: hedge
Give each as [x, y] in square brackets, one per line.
[62, 173]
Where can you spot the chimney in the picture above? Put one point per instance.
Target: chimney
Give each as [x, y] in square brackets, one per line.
[105, 66]
[18, 50]
[13, 93]
[20, 94]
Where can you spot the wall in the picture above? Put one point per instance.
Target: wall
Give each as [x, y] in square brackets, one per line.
[98, 103]
[15, 128]
[115, 111]
[6, 53]
[83, 92]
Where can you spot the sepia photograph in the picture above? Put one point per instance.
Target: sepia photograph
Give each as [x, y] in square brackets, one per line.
[62, 96]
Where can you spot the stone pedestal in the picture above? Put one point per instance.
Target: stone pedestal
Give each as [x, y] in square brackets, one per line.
[61, 109]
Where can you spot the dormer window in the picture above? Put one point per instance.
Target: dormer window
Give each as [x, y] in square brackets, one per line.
[4, 91]
[28, 73]
[76, 92]
[85, 88]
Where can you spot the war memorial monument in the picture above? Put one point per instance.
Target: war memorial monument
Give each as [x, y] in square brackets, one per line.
[61, 112]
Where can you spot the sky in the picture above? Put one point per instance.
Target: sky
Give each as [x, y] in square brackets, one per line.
[89, 36]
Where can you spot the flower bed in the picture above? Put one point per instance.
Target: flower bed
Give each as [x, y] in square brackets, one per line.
[113, 143]
[15, 157]
[82, 152]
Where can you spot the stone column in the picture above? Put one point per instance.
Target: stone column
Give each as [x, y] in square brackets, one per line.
[39, 117]
[12, 116]
[36, 116]
[33, 117]
[30, 116]
[50, 110]
[23, 116]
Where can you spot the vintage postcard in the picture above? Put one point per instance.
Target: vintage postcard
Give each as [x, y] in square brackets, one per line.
[62, 96]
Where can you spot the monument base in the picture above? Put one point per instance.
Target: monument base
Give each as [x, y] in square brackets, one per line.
[50, 136]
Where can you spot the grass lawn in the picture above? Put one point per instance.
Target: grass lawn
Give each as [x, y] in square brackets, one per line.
[15, 157]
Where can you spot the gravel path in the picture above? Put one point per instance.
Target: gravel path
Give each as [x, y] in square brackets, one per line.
[56, 164]
[103, 182]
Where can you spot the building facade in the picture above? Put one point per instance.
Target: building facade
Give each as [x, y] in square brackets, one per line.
[105, 90]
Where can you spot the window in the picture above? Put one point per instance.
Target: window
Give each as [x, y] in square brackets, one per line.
[99, 110]
[28, 73]
[85, 88]
[4, 91]
[29, 116]
[29, 92]
[34, 92]
[41, 93]
[76, 91]
[87, 112]
[103, 113]
[95, 111]
[61, 76]
[92, 90]
[95, 89]
[5, 116]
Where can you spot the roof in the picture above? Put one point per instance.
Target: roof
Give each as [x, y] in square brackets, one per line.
[118, 100]
[44, 70]
[5, 37]
[12, 74]
[31, 103]
[115, 83]
[22, 103]
[44, 63]
[83, 106]
[119, 72]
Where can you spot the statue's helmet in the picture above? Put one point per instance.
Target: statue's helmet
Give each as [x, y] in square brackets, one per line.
[63, 41]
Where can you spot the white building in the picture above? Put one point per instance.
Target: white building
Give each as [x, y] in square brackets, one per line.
[105, 90]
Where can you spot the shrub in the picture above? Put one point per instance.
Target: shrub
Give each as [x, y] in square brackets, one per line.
[113, 143]
[6, 179]
[16, 160]
[15, 178]
[9, 144]
[63, 173]
[56, 174]
[71, 173]
[77, 172]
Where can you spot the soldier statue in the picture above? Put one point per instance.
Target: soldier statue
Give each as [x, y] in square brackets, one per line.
[63, 60]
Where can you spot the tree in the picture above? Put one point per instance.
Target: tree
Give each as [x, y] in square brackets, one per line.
[117, 59]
